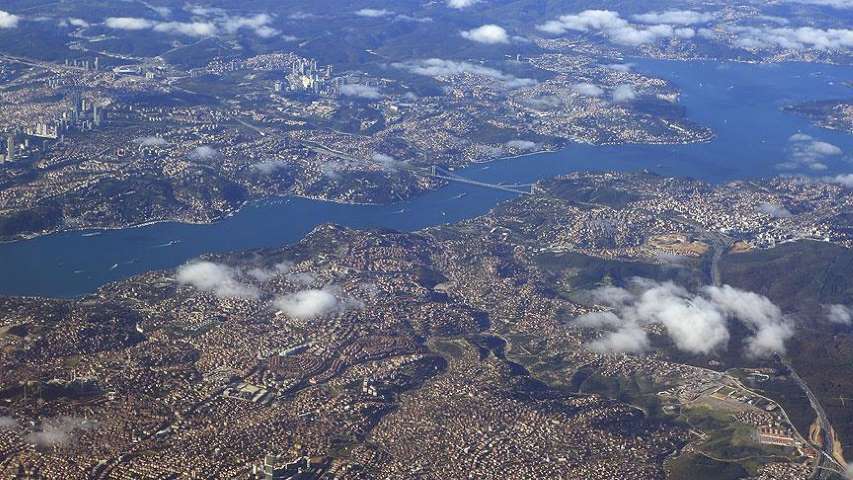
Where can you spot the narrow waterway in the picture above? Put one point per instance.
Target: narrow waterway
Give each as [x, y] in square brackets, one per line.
[741, 102]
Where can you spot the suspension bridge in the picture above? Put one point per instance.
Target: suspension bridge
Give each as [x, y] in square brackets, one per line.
[518, 188]
[434, 171]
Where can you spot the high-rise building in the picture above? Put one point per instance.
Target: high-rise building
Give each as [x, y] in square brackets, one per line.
[273, 467]
[10, 148]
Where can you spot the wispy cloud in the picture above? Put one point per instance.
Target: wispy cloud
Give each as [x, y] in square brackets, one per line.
[361, 91]
[439, 68]
[373, 12]
[773, 210]
[151, 141]
[844, 179]
[58, 431]
[839, 4]
[674, 17]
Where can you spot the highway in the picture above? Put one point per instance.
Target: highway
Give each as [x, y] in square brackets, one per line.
[826, 466]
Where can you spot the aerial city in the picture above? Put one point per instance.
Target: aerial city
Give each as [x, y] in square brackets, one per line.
[426, 239]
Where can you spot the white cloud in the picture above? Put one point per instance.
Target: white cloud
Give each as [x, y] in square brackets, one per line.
[78, 22]
[521, 144]
[220, 22]
[760, 38]
[459, 4]
[190, 29]
[439, 68]
[8, 20]
[624, 93]
[696, 323]
[259, 24]
[774, 210]
[7, 423]
[151, 141]
[757, 312]
[58, 431]
[303, 279]
[614, 27]
[373, 12]
[626, 339]
[204, 11]
[839, 4]
[824, 148]
[203, 152]
[839, 314]
[389, 163]
[162, 11]
[269, 166]
[621, 67]
[588, 90]
[313, 303]
[806, 152]
[221, 280]
[845, 180]
[488, 34]
[674, 17]
[264, 274]
[360, 91]
[128, 23]
[409, 18]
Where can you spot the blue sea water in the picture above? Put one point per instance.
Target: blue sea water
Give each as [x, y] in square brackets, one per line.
[740, 102]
